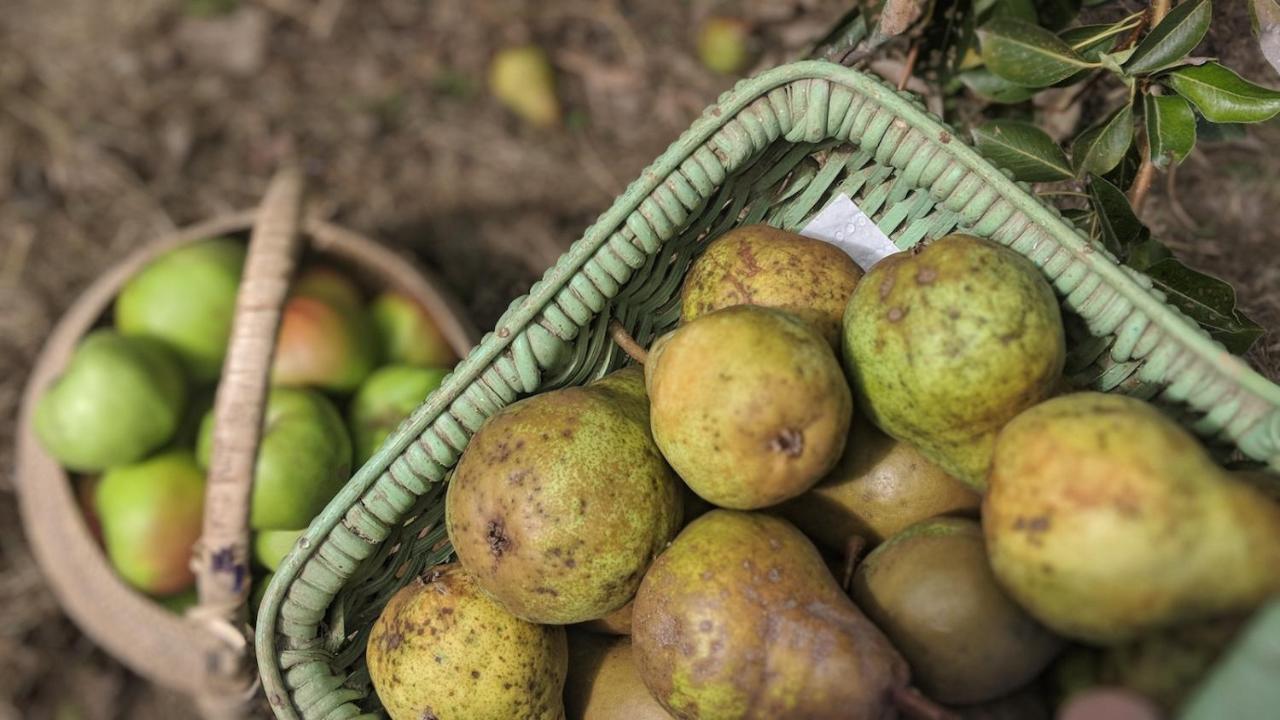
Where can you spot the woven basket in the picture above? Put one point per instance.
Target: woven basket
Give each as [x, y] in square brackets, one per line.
[206, 653]
[774, 149]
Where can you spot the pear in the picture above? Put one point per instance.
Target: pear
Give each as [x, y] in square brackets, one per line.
[740, 618]
[604, 683]
[762, 265]
[1107, 520]
[946, 345]
[930, 589]
[617, 622]
[186, 298]
[119, 399]
[1165, 666]
[880, 487]
[407, 332]
[386, 398]
[443, 649]
[151, 515]
[1026, 704]
[561, 501]
[725, 45]
[271, 546]
[522, 79]
[748, 405]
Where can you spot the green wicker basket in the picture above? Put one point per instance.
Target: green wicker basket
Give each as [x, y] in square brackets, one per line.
[774, 149]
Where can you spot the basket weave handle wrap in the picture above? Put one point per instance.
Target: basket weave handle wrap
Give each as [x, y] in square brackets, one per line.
[221, 561]
[910, 172]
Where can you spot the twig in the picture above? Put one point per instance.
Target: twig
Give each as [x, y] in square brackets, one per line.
[915, 706]
[1142, 183]
[1159, 8]
[628, 344]
[910, 65]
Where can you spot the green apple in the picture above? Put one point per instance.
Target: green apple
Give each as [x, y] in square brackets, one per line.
[408, 333]
[386, 399]
[187, 298]
[151, 518]
[270, 546]
[119, 399]
[326, 338]
[304, 458]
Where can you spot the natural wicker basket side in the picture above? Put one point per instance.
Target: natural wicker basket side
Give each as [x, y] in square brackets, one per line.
[775, 149]
[206, 654]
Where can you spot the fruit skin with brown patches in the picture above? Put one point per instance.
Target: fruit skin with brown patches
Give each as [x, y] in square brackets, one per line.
[1107, 520]
[443, 649]
[931, 590]
[740, 618]
[562, 500]
[762, 265]
[880, 487]
[946, 345]
[749, 405]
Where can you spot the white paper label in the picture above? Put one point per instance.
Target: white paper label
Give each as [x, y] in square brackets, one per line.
[844, 225]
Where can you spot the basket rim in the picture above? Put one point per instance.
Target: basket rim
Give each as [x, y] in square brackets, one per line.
[635, 210]
[167, 648]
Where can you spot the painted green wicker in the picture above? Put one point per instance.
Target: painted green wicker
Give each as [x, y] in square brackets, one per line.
[775, 149]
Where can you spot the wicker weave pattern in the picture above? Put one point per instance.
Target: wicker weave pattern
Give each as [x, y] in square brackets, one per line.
[776, 148]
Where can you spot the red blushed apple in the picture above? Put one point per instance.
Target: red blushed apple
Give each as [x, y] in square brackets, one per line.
[323, 345]
[408, 333]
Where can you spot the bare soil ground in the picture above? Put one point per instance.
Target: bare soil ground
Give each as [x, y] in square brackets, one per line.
[121, 119]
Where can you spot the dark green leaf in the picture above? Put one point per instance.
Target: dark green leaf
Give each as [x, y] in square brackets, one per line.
[1024, 149]
[1102, 147]
[1120, 227]
[1178, 34]
[1127, 171]
[1080, 217]
[1207, 300]
[1057, 14]
[1171, 128]
[1091, 40]
[1146, 253]
[1027, 54]
[1211, 132]
[1096, 3]
[1017, 9]
[1223, 96]
[993, 87]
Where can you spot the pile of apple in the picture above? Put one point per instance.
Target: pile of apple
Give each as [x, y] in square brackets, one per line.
[131, 415]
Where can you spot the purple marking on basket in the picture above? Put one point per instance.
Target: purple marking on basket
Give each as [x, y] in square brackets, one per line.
[843, 224]
[224, 561]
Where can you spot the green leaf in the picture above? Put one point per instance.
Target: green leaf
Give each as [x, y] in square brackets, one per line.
[1102, 147]
[1147, 253]
[1171, 128]
[1209, 301]
[1027, 54]
[1017, 9]
[1057, 14]
[1120, 226]
[1127, 171]
[1024, 149]
[1178, 34]
[1090, 41]
[1223, 96]
[987, 84]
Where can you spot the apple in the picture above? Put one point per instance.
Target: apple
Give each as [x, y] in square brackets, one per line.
[119, 398]
[408, 333]
[270, 546]
[187, 299]
[326, 339]
[388, 397]
[304, 458]
[151, 515]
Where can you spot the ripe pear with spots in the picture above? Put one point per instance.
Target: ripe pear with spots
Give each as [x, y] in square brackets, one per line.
[1106, 520]
[444, 649]
[562, 500]
[749, 405]
[947, 344]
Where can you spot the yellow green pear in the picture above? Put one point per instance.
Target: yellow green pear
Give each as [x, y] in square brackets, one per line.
[443, 649]
[521, 78]
[561, 501]
[1106, 520]
[762, 265]
[946, 344]
[880, 487]
[604, 682]
[748, 404]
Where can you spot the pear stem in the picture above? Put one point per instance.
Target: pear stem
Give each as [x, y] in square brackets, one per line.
[623, 339]
[916, 706]
[853, 549]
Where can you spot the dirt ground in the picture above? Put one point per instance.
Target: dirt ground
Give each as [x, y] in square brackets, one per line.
[122, 119]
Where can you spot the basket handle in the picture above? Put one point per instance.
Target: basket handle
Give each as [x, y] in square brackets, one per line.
[221, 558]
